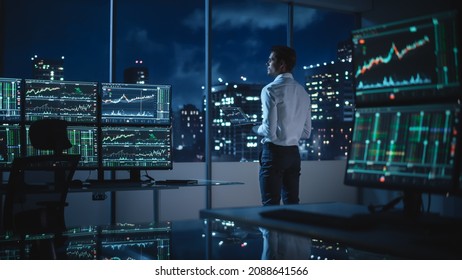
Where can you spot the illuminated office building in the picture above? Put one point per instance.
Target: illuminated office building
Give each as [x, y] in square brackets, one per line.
[48, 69]
[345, 51]
[235, 143]
[189, 134]
[331, 89]
[137, 74]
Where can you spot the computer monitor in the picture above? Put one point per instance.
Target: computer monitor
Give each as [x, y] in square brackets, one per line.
[407, 148]
[84, 140]
[10, 99]
[75, 102]
[10, 144]
[415, 60]
[132, 147]
[141, 104]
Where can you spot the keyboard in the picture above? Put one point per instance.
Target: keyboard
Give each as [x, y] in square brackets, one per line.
[176, 182]
[117, 183]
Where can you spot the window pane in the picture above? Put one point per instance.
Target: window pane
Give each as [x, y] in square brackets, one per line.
[168, 40]
[243, 33]
[321, 39]
[75, 30]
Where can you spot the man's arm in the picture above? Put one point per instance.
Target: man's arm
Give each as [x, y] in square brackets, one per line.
[269, 121]
[307, 127]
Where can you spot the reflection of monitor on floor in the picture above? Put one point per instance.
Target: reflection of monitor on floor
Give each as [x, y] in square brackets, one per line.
[136, 243]
[119, 242]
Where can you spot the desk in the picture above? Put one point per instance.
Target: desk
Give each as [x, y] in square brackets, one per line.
[116, 186]
[393, 239]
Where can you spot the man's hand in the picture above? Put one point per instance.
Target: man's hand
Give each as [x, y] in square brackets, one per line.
[255, 129]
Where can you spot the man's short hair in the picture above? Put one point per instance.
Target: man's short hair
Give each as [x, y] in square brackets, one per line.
[286, 54]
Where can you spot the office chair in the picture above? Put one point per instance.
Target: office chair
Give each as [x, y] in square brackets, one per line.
[38, 186]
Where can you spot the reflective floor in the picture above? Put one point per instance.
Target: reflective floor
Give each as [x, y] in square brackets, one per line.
[179, 240]
[182, 240]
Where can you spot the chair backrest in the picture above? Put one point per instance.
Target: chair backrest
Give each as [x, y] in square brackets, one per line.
[38, 183]
[49, 134]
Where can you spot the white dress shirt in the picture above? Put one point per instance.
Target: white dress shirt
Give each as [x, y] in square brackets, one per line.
[286, 112]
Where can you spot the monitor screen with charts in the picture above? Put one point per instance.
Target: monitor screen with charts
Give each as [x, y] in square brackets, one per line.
[407, 61]
[405, 148]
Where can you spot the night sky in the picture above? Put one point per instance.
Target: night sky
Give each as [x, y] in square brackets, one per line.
[168, 37]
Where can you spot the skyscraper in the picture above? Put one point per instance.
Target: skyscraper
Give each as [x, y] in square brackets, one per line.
[189, 134]
[331, 89]
[47, 68]
[137, 74]
[235, 143]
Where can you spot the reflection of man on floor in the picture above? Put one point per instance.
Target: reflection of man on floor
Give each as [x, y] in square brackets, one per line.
[286, 110]
[284, 246]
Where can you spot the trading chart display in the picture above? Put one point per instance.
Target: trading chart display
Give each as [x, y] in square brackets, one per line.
[84, 140]
[410, 146]
[136, 147]
[70, 101]
[10, 99]
[135, 104]
[10, 144]
[407, 61]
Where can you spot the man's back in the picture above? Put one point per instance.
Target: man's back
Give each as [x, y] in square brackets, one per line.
[289, 111]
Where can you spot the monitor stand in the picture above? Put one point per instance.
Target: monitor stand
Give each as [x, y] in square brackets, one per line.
[135, 175]
[412, 202]
[412, 206]
[413, 217]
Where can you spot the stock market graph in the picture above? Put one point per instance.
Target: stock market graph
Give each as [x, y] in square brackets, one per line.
[135, 104]
[137, 147]
[84, 140]
[10, 99]
[412, 146]
[401, 61]
[10, 143]
[70, 101]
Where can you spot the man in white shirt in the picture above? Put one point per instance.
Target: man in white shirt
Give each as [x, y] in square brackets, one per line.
[286, 119]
